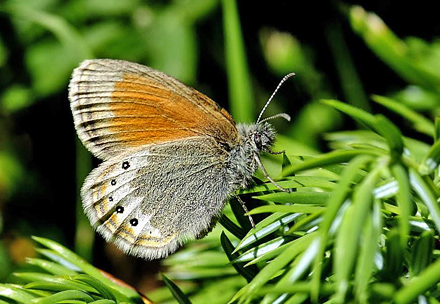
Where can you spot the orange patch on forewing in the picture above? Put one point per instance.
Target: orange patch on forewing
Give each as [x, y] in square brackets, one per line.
[227, 115]
[148, 111]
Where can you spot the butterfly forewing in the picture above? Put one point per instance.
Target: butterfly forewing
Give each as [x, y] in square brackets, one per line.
[119, 105]
[137, 200]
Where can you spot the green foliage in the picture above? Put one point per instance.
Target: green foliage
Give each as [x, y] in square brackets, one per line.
[64, 277]
[361, 222]
[240, 92]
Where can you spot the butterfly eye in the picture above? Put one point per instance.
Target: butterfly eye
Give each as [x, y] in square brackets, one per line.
[225, 146]
[257, 140]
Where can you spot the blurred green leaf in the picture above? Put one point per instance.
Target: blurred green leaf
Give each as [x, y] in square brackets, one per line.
[326, 159]
[11, 173]
[437, 128]
[3, 53]
[103, 301]
[431, 161]
[303, 263]
[50, 267]
[361, 116]
[63, 285]
[107, 8]
[270, 224]
[283, 52]
[365, 266]
[171, 44]
[55, 285]
[422, 188]
[419, 122]
[81, 264]
[393, 257]
[347, 240]
[412, 59]
[247, 272]
[317, 119]
[50, 66]
[231, 226]
[177, 293]
[418, 98]
[260, 250]
[66, 295]
[241, 101]
[278, 263]
[315, 198]
[392, 134]
[192, 11]
[294, 182]
[343, 139]
[350, 80]
[266, 257]
[50, 62]
[100, 287]
[419, 284]
[43, 281]
[301, 208]
[15, 293]
[16, 98]
[5, 261]
[404, 201]
[422, 252]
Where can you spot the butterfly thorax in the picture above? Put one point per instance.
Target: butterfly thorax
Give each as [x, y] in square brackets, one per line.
[255, 138]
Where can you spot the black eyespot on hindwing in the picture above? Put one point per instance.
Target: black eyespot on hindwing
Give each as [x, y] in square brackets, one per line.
[125, 165]
[134, 222]
[119, 209]
[113, 182]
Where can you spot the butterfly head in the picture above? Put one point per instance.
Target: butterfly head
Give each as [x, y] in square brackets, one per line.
[261, 137]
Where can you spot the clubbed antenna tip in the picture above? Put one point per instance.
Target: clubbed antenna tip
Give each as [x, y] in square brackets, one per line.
[271, 97]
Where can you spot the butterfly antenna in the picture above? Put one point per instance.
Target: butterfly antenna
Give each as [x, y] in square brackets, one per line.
[283, 115]
[273, 94]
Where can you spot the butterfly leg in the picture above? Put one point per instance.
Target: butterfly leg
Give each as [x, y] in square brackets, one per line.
[243, 205]
[275, 153]
[260, 164]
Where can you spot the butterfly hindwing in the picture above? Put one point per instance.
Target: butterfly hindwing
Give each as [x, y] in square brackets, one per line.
[150, 201]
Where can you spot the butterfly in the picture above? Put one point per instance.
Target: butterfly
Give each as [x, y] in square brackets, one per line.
[171, 157]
